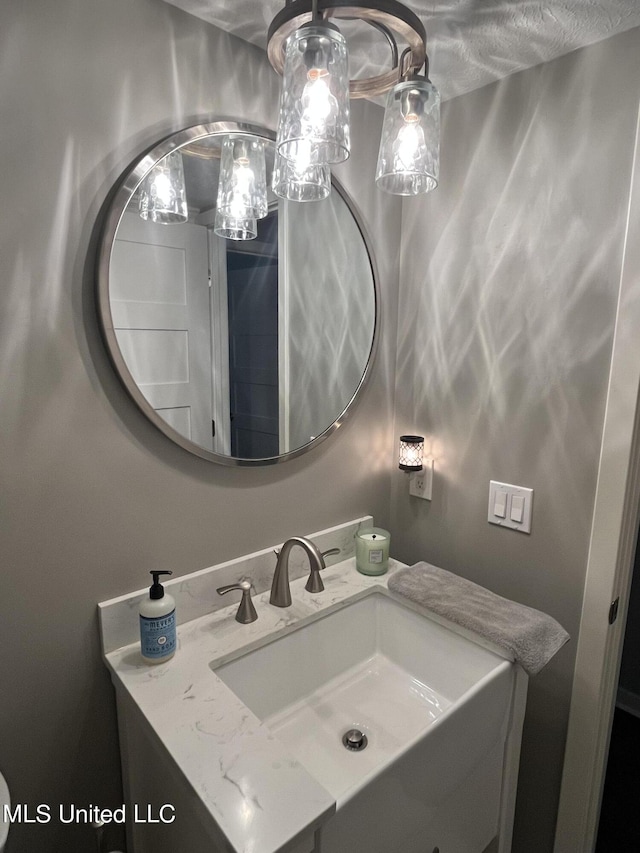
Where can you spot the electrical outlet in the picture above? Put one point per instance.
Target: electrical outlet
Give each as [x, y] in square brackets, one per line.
[421, 482]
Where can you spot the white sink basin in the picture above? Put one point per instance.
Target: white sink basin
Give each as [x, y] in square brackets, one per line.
[400, 678]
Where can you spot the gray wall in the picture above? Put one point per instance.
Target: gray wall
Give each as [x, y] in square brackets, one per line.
[92, 496]
[509, 280]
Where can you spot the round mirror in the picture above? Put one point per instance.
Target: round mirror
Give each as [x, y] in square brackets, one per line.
[243, 333]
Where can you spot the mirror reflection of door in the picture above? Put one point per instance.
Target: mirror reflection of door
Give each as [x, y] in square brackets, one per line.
[166, 327]
[160, 310]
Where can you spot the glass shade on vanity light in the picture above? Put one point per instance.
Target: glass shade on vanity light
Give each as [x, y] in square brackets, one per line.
[233, 228]
[313, 125]
[242, 186]
[163, 197]
[409, 155]
[411, 451]
[308, 183]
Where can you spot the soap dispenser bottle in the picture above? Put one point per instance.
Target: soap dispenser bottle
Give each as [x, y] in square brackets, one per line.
[157, 623]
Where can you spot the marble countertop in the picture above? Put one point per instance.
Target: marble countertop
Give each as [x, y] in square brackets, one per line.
[260, 796]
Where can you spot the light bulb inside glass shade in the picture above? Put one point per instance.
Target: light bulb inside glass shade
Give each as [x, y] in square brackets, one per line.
[232, 228]
[309, 183]
[410, 147]
[242, 186]
[163, 197]
[313, 126]
[319, 106]
[409, 155]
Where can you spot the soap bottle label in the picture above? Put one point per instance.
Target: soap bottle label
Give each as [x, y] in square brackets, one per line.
[158, 636]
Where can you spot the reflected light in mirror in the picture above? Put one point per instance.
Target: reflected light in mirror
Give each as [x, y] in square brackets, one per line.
[289, 182]
[242, 187]
[163, 197]
[232, 228]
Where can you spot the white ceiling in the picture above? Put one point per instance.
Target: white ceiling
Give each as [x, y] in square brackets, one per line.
[470, 42]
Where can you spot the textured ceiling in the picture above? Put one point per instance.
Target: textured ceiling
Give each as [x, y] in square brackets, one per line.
[470, 42]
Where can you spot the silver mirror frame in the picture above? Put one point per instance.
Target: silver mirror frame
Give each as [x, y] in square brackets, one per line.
[120, 200]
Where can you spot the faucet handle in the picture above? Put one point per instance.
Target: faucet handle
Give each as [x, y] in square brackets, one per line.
[330, 553]
[314, 584]
[246, 611]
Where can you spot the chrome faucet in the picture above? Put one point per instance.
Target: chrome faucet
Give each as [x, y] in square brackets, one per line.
[280, 591]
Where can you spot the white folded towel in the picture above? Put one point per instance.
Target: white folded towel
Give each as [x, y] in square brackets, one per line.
[532, 637]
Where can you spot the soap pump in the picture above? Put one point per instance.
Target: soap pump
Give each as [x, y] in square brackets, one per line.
[157, 623]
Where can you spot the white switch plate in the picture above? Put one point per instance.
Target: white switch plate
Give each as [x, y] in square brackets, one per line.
[421, 482]
[507, 491]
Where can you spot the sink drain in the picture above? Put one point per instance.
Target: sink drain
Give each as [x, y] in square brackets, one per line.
[355, 740]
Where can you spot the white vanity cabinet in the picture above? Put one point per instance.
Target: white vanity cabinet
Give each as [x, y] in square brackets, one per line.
[391, 813]
[154, 786]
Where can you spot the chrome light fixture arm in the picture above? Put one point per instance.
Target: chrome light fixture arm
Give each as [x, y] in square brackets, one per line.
[391, 15]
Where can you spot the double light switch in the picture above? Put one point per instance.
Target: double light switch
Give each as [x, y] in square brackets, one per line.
[510, 506]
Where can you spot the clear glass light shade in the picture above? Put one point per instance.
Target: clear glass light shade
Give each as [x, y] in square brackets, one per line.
[411, 451]
[409, 156]
[312, 183]
[232, 228]
[163, 197]
[313, 127]
[242, 186]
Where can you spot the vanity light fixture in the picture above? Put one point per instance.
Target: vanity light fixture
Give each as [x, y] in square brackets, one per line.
[409, 155]
[163, 197]
[313, 125]
[309, 51]
[411, 451]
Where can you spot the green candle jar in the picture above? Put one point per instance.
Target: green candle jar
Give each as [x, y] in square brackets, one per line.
[372, 550]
